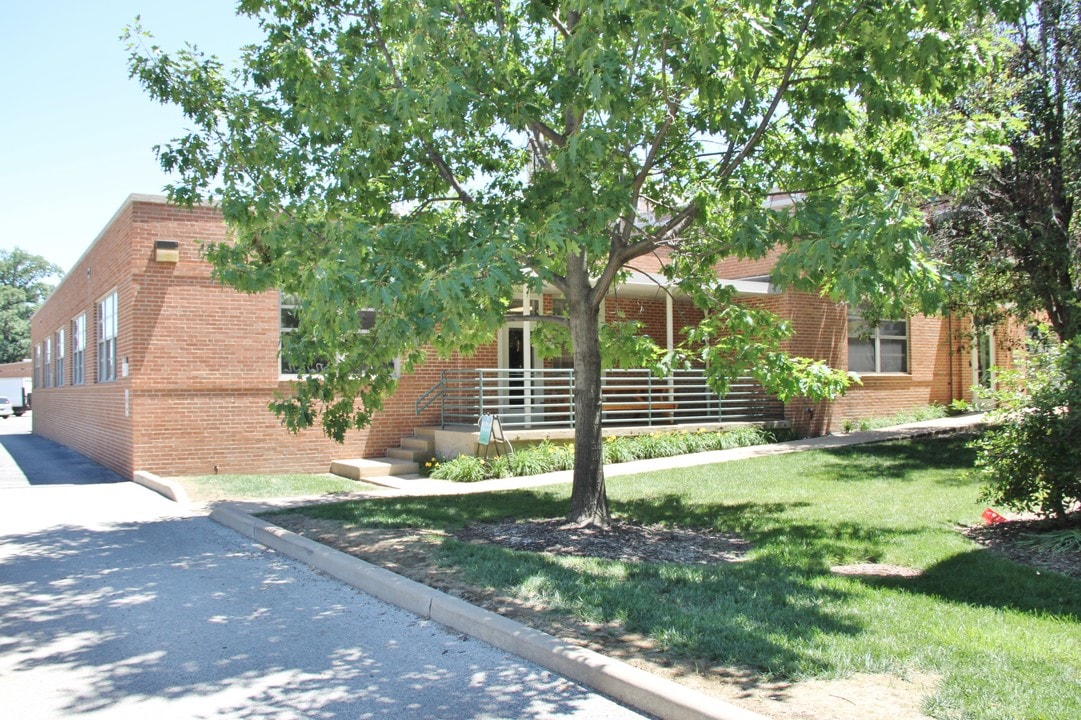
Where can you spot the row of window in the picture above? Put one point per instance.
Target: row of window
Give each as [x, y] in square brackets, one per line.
[882, 348]
[50, 357]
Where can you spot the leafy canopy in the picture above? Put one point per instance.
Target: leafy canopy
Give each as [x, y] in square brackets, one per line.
[429, 158]
[1009, 240]
[24, 285]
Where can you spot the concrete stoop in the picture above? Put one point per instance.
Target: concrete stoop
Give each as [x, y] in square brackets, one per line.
[403, 460]
[372, 468]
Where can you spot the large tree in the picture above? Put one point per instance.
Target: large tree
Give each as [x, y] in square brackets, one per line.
[1010, 239]
[427, 159]
[24, 285]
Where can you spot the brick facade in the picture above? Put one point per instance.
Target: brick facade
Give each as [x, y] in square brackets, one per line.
[197, 362]
[17, 369]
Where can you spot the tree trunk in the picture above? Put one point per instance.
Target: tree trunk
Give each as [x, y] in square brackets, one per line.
[589, 500]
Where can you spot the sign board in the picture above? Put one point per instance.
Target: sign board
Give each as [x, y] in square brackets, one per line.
[485, 435]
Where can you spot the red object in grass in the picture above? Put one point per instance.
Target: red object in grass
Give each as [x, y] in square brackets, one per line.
[991, 517]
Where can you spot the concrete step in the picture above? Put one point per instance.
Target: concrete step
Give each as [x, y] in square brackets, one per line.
[421, 444]
[408, 454]
[367, 468]
[425, 432]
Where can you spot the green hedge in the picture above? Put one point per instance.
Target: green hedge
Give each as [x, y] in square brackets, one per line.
[550, 457]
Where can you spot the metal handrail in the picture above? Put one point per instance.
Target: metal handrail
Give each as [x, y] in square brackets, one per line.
[544, 398]
[428, 397]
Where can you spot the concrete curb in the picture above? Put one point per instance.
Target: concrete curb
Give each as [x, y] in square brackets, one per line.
[629, 685]
[172, 490]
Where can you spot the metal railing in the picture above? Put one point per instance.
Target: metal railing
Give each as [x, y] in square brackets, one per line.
[545, 398]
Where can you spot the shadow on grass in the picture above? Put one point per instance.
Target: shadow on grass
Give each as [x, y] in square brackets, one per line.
[903, 460]
[754, 614]
[812, 546]
[444, 512]
[983, 578]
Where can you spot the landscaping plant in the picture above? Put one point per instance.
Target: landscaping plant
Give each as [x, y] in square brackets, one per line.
[1031, 457]
[551, 457]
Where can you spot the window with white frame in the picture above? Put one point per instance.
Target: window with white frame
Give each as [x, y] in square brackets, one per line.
[289, 321]
[37, 366]
[78, 349]
[107, 330]
[59, 358]
[881, 348]
[47, 368]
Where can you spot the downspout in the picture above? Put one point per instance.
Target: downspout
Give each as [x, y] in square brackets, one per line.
[949, 352]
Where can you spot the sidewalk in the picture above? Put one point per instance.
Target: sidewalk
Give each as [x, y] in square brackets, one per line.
[416, 486]
[427, 486]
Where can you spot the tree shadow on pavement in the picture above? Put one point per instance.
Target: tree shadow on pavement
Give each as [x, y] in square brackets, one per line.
[182, 618]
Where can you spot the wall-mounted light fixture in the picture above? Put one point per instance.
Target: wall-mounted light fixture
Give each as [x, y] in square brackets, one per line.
[167, 251]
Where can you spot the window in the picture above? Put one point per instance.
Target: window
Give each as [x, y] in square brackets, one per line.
[882, 348]
[47, 368]
[289, 321]
[37, 366]
[107, 324]
[78, 349]
[59, 358]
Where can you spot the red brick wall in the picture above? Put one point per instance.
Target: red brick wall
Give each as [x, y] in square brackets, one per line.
[202, 362]
[90, 418]
[17, 369]
[939, 364]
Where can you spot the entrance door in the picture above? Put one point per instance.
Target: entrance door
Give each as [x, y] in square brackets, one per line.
[518, 358]
[983, 360]
[516, 364]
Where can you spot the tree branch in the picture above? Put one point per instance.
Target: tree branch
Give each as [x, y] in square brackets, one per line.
[434, 155]
[554, 319]
[767, 118]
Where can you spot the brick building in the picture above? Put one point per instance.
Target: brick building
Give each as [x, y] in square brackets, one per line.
[142, 361]
[16, 369]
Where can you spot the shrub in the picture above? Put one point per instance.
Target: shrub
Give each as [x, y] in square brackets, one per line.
[1030, 458]
[550, 457]
[464, 468]
[927, 412]
[958, 407]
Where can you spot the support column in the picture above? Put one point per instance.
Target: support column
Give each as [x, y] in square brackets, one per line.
[527, 359]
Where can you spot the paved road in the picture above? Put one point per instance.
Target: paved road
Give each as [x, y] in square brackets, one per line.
[116, 603]
[27, 459]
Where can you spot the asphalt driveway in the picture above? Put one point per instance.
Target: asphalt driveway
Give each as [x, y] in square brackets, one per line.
[116, 603]
[27, 459]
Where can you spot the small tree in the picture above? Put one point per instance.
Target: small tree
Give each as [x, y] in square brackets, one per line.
[427, 159]
[1031, 455]
[24, 285]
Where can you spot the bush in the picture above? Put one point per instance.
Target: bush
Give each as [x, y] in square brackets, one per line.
[464, 468]
[927, 412]
[550, 457]
[1030, 458]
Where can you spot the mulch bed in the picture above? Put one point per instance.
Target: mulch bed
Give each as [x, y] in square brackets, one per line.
[625, 541]
[1007, 538]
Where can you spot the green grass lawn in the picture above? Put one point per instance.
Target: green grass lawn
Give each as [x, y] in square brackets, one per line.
[209, 488]
[1005, 639]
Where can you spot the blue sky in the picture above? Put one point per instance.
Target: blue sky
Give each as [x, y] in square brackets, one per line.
[76, 134]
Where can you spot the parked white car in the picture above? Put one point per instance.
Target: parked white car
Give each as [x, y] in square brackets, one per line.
[5, 408]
